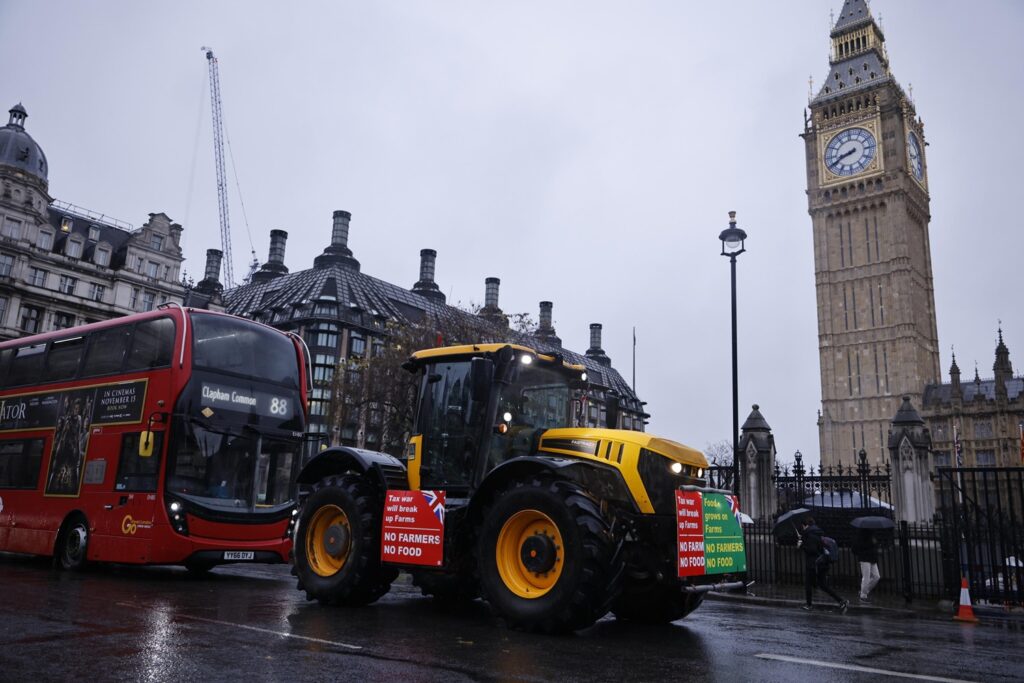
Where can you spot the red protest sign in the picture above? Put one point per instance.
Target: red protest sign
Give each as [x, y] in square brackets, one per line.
[690, 528]
[413, 530]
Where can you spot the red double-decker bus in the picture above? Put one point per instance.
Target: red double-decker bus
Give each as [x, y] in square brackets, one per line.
[167, 437]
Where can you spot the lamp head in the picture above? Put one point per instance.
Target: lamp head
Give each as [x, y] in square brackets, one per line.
[732, 238]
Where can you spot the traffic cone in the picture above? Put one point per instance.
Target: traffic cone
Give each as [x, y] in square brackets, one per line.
[965, 612]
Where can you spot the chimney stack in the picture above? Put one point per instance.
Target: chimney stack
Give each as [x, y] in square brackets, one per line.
[545, 330]
[426, 285]
[490, 311]
[491, 285]
[338, 251]
[595, 351]
[210, 284]
[274, 267]
[213, 259]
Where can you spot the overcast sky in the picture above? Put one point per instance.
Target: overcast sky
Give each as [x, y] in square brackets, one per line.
[583, 152]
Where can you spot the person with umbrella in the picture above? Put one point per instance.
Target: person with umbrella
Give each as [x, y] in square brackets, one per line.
[817, 563]
[865, 549]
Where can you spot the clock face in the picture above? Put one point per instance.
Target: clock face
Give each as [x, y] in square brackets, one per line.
[850, 151]
[914, 154]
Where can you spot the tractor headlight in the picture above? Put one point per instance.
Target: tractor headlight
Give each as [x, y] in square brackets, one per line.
[676, 467]
[525, 359]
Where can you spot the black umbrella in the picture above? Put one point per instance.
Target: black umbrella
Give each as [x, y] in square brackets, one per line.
[785, 526]
[873, 522]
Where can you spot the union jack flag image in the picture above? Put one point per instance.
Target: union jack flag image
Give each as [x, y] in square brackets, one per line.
[435, 499]
[734, 508]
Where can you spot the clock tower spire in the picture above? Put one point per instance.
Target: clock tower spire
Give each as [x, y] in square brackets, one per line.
[867, 191]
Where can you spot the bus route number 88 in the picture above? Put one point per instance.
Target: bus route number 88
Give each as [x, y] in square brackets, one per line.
[278, 406]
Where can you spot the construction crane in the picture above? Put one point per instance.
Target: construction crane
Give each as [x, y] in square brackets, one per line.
[218, 152]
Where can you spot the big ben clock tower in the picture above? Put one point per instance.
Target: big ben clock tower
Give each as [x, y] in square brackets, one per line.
[867, 191]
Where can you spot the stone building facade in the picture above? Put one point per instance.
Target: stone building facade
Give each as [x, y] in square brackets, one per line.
[346, 315]
[61, 265]
[867, 190]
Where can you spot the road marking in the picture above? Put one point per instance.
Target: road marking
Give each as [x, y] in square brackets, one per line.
[855, 667]
[283, 634]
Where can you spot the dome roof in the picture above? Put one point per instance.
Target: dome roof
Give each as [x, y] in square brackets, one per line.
[18, 149]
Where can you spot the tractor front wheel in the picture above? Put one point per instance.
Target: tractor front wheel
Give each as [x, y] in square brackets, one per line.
[546, 557]
[337, 548]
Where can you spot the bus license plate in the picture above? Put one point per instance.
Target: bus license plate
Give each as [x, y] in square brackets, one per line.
[239, 554]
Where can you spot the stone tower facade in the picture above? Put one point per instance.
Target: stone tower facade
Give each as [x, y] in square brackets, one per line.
[867, 190]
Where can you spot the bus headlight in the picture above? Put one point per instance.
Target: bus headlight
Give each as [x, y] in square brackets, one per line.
[176, 513]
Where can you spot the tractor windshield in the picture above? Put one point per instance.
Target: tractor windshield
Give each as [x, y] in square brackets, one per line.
[537, 398]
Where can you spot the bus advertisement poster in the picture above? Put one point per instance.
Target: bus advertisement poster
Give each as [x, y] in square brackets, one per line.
[105, 404]
[710, 536]
[413, 530]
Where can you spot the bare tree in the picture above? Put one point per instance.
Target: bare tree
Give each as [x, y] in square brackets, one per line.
[719, 453]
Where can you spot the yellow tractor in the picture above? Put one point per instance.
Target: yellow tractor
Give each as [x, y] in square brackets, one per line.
[500, 497]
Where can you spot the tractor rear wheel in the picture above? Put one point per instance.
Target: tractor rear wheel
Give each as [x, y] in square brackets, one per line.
[337, 548]
[546, 557]
[655, 603]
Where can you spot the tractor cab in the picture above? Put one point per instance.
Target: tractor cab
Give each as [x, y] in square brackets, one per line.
[482, 405]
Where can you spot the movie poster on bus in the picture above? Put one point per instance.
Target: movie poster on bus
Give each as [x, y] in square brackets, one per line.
[119, 403]
[70, 441]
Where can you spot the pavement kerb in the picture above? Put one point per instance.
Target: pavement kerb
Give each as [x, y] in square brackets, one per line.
[937, 611]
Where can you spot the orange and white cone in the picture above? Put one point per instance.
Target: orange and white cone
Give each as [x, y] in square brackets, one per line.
[965, 612]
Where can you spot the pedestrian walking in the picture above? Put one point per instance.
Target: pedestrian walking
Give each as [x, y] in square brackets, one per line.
[865, 549]
[817, 560]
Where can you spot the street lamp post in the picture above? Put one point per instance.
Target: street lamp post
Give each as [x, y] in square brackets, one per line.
[733, 239]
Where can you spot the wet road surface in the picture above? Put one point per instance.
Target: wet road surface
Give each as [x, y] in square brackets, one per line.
[249, 623]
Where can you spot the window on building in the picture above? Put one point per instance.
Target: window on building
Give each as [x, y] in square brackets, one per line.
[985, 458]
[983, 429]
[356, 344]
[156, 242]
[133, 302]
[31, 319]
[148, 300]
[73, 247]
[66, 224]
[326, 310]
[12, 228]
[152, 269]
[4, 303]
[323, 367]
[101, 256]
[45, 241]
[62, 321]
[37, 277]
[325, 335]
[6, 265]
[941, 458]
[94, 233]
[96, 291]
[67, 284]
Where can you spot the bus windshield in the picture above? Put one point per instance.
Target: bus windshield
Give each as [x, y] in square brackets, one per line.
[537, 397]
[231, 469]
[243, 348]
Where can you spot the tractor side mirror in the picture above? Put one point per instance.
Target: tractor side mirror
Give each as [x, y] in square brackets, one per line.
[481, 375]
[611, 411]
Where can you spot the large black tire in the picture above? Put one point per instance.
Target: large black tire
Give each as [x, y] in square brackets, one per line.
[73, 543]
[337, 548]
[547, 557]
[651, 602]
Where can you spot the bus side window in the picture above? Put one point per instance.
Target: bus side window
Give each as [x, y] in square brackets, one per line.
[63, 360]
[136, 473]
[152, 345]
[27, 365]
[106, 351]
[19, 463]
[5, 358]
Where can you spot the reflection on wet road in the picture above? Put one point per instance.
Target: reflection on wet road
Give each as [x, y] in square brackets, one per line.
[249, 622]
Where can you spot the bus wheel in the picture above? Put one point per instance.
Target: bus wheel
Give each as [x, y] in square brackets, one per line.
[73, 543]
[547, 557]
[337, 558]
[655, 603]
